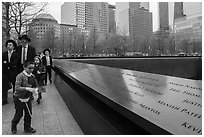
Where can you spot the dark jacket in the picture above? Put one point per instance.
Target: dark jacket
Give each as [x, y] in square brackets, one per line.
[41, 75]
[10, 67]
[30, 56]
[44, 61]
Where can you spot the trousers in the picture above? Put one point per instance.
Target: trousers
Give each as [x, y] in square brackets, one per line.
[20, 107]
[48, 69]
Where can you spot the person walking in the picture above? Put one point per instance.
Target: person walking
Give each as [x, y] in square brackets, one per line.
[24, 88]
[26, 51]
[9, 69]
[47, 62]
[40, 74]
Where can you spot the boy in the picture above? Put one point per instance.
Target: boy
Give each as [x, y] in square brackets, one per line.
[25, 86]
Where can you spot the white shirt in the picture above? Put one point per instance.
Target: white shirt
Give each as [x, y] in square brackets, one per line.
[9, 55]
[26, 50]
[48, 60]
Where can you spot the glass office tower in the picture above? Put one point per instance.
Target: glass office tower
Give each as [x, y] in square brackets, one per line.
[189, 26]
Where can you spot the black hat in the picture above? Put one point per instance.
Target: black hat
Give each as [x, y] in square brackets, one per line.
[25, 37]
[11, 41]
[46, 50]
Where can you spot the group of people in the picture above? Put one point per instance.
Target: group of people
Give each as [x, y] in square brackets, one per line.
[26, 73]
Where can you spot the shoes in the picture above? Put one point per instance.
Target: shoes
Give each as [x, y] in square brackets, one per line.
[40, 96]
[29, 130]
[38, 101]
[4, 102]
[13, 129]
[50, 81]
[32, 98]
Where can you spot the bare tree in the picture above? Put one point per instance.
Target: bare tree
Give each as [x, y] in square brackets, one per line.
[184, 45]
[22, 13]
[171, 46]
[49, 37]
[5, 18]
[35, 42]
[92, 39]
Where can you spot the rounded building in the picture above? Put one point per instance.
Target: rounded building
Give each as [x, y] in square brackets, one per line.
[44, 29]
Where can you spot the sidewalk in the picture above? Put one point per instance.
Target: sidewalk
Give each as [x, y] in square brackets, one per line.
[50, 117]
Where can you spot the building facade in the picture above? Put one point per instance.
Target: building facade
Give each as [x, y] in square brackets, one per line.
[43, 28]
[178, 10]
[163, 16]
[133, 19]
[189, 27]
[144, 5]
[86, 15]
[142, 24]
[111, 18]
[65, 37]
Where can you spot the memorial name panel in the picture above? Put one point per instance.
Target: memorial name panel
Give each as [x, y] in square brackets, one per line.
[184, 103]
[174, 104]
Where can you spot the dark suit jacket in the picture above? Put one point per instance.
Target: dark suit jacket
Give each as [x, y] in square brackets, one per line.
[10, 67]
[44, 61]
[30, 55]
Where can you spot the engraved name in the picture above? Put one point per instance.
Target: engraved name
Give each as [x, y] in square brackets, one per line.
[186, 92]
[191, 87]
[146, 83]
[175, 90]
[192, 103]
[168, 105]
[192, 94]
[136, 93]
[146, 89]
[191, 127]
[142, 77]
[187, 86]
[149, 108]
[152, 79]
[199, 116]
[128, 74]
[145, 107]
[176, 84]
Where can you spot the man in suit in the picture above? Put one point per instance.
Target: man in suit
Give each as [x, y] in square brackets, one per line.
[47, 62]
[9, 68]
[25, 51]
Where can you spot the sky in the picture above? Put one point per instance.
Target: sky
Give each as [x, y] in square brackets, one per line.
[54, 8]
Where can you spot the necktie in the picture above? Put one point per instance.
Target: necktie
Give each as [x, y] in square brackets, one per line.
[24, 57]
[9, 56]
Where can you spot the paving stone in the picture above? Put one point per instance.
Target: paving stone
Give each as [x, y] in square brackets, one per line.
[50, 117]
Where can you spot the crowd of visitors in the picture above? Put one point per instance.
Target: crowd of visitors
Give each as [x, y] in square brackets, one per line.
[26, 74]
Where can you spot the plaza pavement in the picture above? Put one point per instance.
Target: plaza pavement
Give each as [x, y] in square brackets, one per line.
[50, 117]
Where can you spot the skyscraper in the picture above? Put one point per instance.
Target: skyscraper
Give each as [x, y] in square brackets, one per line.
[132, 20]
[144, 5]
[73, 13]
[111, 18]
[189, 26]
[192, 8]
[178, 10]
[142, 24]
[86, 15]
[163, 16]
[124, 13]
